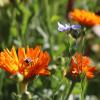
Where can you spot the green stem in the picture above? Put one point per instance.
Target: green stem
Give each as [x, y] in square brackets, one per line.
[83, 41]
[51, 38]
[70, 90]
[82, 91]
[83, 88]
[18, 92]
[21, 88]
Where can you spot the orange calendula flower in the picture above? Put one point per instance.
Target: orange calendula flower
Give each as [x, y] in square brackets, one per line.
[28, 63]
[81, 65]
[85, 17]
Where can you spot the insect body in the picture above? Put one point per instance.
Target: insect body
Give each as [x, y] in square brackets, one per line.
[28, 60]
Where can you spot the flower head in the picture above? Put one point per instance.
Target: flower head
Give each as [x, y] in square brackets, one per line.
[66, 27]
[81, 65]
[62, 27]
[85, 17]
[30, 63]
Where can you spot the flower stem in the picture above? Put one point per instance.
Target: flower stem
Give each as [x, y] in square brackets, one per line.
[83, 88]
[18, 92]
[21, 88]
[82, 92]
[70, 90]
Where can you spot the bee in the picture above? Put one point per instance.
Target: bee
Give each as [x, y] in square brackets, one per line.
[28, 60]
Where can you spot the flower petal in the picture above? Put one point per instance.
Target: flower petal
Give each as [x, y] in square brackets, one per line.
[44, 72]
[62, 27]
[75, 27]
[21, 54]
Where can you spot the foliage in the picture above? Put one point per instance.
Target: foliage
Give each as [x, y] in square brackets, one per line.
[34, 22]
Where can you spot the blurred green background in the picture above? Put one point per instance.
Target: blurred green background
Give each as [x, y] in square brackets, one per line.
[34, 22]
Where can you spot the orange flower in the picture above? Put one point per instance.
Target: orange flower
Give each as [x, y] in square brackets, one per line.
[81, 65]
[30, 63]
[85, 17]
